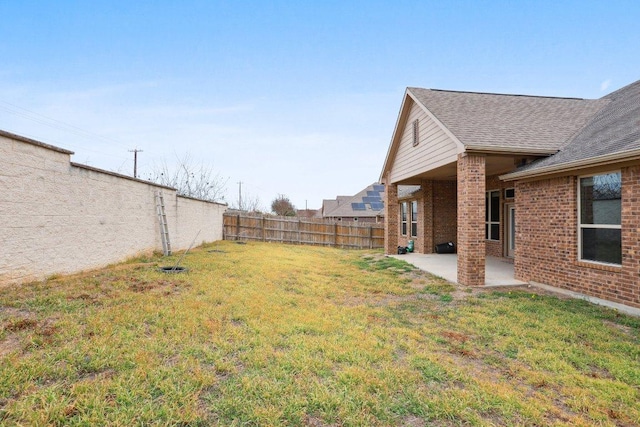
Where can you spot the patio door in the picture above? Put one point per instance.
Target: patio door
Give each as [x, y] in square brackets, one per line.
[510, 232]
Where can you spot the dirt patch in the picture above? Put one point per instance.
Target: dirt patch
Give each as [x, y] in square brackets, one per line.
[10, 344]
[166, 287]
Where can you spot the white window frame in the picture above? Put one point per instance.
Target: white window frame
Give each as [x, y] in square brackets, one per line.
[599, 226]
[414, 219]
[510, 189]
[403, 218]
[487, 222]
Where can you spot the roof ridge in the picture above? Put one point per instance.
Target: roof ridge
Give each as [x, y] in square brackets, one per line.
[504, 94]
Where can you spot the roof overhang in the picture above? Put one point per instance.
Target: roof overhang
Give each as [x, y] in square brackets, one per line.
[607, 159]
[524, 151]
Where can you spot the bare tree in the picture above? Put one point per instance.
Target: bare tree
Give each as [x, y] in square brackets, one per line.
[190, 179]
[250, 203]
[281, 205]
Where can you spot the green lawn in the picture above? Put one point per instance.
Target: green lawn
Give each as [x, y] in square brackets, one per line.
[266, 334]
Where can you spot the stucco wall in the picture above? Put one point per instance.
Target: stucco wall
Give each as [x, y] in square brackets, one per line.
[60, 217]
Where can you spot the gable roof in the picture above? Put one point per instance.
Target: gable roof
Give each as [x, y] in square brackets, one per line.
[497, 123]
[369, 200]
[612, 134]
[486, 121]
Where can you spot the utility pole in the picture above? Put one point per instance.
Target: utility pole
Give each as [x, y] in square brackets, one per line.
[240, 195]
[135, 152]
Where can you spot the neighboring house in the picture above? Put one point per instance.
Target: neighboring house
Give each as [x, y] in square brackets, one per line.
[306, 213]
[552, 184]
[366, 206]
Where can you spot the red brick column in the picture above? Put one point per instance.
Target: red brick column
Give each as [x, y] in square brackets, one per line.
[471, 219]
[425, 217]
[391, 219]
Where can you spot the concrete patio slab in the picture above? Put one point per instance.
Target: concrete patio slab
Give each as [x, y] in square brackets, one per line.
[498, 272]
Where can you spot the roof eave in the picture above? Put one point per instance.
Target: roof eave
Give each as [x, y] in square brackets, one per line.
[629, 155]
[485, 149]
[391, 149]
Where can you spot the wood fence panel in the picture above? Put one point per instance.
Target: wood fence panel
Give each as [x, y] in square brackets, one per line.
[303, 231]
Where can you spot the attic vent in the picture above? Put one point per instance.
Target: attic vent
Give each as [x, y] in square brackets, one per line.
[416, 132]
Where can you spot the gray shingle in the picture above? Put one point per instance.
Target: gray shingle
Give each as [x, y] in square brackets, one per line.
[509, 121]
[615, 128]
[342, 206]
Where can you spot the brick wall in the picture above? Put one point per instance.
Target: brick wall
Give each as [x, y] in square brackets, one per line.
[627, 288]
[445, 212]
[471, 214]
[424, 240]
[59, 217]
[547, 240]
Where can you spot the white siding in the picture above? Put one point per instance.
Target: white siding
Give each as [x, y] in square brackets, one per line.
[435, 149]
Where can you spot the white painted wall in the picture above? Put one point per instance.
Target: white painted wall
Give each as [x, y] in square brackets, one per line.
[61, 217]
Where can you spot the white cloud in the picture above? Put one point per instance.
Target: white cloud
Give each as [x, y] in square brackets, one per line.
[605, 85]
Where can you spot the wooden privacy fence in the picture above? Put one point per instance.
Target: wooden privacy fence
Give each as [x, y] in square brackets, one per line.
[304, 231]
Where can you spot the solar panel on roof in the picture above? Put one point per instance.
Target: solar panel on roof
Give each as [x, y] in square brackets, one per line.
[371, 199]
[358, 206]
[379, 188]
[373, 193]
[377, 206]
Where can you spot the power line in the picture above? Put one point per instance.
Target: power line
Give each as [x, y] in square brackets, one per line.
[53, 123]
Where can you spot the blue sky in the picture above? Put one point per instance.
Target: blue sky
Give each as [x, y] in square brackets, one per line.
[289, 97]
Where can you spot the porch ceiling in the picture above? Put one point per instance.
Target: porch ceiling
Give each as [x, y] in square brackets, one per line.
[495, 165]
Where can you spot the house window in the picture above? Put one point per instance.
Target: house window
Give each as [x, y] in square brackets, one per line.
[509, 193]
[492, 215]
[414, 218]
[403, 218]
[600, 202]
[416, 132]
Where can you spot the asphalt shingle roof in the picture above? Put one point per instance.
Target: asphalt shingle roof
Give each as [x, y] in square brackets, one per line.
[508, 121]
[614, 129]
[343, 205]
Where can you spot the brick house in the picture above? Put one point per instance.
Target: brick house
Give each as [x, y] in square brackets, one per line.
[551, 184]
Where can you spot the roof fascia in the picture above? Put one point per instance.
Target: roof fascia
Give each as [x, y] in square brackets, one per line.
[629, 155]
[393, 146]
[484, 149]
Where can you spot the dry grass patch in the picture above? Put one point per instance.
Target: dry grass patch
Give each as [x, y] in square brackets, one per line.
[265, 334]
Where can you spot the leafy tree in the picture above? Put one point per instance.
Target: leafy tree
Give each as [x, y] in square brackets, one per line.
[281, 205]
[189, 179]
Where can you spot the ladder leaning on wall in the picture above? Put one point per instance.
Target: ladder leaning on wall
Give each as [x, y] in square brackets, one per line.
[164, 229]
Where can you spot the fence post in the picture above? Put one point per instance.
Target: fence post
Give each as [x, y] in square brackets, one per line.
[264, 238]
[370, 237]
[335, 234]
[238, 227]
